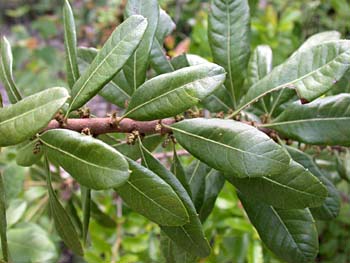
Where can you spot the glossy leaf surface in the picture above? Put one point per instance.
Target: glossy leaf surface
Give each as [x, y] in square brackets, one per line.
[231, 147]
[325, 121]
[190, 236]
[151, 196]
[116, 91]
[109, 60]
[311, 72]
[293, 188]
[6, 76]
[24, 119]
[136, 67]
[229, 38]
[70, 44]
[172, 93]
[289, 233]
[331, 206]
[91, 162]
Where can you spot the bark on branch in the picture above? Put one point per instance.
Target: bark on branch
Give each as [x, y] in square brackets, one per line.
[99, 126]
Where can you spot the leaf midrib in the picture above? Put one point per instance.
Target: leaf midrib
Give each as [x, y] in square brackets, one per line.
[153, 201]
[224, 145]
[305, 120]
[30, 111]
[168, 92]
[100, 65]
[291, 82]
[76, 157]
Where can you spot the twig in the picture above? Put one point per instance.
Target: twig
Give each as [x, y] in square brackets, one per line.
[99, 126]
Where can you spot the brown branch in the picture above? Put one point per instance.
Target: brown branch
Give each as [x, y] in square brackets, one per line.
[99, 126]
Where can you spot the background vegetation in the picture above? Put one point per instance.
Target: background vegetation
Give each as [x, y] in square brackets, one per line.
[35, 31]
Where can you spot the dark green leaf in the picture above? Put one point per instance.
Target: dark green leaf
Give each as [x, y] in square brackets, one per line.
[63, 223]
[91, 162]
[325, 121]
[102, 218]
[260, 64]
[311, 72]
[70, 44]
[117, 90]
[190, 236]
[86, 200]
[289, 233]
[29, 154]
[158, 58]
[229, 38]
[173, 253]
[6, 75]
[24, 119]
[152, 197]
[178, 170]
[293, 188]
[232, 147]
[206, 184]
[172, 93]
[109, 60]
[136, 67]
[331, 206]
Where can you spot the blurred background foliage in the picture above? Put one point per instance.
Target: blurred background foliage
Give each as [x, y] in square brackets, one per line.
[117, 234]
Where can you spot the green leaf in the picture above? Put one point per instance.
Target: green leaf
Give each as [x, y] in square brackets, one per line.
[319, 38]
[63, 223]
[29, 154]
[178, 170]
[174, 253]
[6, 75]
[91, 162]
[172, 93]
[331, 206]
[30, 243]
[151, 196]
[13, 176]
[206, 184]
[260, 64]
[190, 236]
[132, 151]
[70, 45]
[21, 121]
[15, 211]
[311, 72]
[325, 121]
[220, 99]
[231, 147]
[135, 68]
[109, 60]
[86, 200]
[289, 233]
[3, 221]
[101, 218]
[229, 39]
[284, 95]
[117, 90]
[159, 61]
[293, 188]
